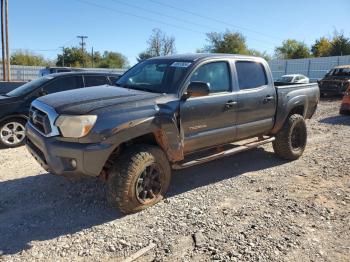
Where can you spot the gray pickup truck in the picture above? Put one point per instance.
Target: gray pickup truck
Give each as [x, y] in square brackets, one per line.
[167, 113]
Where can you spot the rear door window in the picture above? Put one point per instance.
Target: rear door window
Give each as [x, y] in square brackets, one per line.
[95, 80]
[63, 84]
[250, 74]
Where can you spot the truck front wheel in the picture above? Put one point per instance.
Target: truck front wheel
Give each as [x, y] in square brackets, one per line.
[291, 140]
[139, 179]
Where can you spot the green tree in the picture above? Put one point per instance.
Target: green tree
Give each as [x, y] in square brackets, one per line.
[113, 60]
[25, 57]
[228, 42]
[322, 47]
[143, 56]
[292, 49]
[159, 44]
[340, 45]
[73, 57]
[257, 53]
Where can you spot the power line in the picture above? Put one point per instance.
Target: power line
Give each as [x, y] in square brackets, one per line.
[138, 16]
[213, 19]
[162, 14]
[180, 19]
[159, 21]
[33, 50]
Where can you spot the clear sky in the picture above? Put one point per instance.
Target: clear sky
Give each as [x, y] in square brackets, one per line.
[125, 25]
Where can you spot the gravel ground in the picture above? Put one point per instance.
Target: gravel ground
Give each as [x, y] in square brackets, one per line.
[249, 207]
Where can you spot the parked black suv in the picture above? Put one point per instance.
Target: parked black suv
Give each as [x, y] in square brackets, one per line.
[52, 70]
[14, 106]
[336, 81]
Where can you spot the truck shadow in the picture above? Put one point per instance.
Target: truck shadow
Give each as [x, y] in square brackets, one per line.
[331, 98]
[343, 120]
[45, 206]
[222, 169]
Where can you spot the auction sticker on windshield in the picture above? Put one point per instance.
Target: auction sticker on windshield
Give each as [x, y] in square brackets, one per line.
[181, 64]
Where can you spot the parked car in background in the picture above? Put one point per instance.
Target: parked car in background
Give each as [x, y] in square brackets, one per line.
[6, 86]
[292, 79]
[345, 104]
[163, 111]
[336, 81]
[14, 106]
[53, 70]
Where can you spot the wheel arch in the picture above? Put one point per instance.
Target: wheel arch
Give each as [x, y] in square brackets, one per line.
[14, 116]
[297, 105]
[161, 132]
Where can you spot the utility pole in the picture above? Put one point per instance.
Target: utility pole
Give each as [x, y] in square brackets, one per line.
[8, 69]
[82, 44]
[92, 57]
[82, 41]
[62, 56]
[3, 41]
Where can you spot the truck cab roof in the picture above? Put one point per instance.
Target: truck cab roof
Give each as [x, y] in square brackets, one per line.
[203, 56]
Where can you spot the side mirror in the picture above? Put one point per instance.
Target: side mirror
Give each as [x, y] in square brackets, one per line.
[42, 93]
[196, 89]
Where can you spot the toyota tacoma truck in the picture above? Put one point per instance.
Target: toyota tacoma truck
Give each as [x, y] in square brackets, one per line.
[167, 113]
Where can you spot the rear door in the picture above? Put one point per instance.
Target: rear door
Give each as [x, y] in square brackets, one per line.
[209, 120]
[256, 98]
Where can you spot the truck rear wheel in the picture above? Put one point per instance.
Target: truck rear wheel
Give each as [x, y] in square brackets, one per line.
[291, 140]
[139, 179]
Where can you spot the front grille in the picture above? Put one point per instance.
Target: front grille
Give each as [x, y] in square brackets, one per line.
[40, 120]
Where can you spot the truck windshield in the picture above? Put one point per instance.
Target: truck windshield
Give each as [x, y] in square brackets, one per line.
[29, 87]
[158, 76]
[340, 72]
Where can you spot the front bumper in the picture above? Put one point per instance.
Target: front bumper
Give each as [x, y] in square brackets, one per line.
[56, 156]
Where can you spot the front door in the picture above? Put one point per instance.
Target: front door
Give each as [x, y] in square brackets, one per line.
[210, 120]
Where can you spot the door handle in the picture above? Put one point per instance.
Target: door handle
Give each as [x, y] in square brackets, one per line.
[268, 98]
[230, 104]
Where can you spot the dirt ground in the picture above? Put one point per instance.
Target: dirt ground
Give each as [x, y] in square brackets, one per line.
[248, 207]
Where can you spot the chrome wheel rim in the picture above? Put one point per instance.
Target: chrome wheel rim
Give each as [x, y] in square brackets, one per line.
[12, 133]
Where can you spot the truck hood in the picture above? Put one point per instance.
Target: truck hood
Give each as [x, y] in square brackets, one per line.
[86, 100]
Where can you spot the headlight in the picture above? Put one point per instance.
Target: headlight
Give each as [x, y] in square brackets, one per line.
[75, 126]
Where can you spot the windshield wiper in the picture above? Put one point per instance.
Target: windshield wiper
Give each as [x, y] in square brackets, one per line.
[140, 88]
[146, 89]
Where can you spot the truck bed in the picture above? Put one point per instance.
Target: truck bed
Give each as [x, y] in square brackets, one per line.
[290, 96]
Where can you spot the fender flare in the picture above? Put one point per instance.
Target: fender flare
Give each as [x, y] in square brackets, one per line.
[164, 129]
[283, 111]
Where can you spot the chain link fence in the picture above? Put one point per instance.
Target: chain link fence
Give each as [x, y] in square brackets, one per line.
[313, 68]
[28, 73]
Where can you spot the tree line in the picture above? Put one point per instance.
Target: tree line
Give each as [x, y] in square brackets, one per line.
[160, 44]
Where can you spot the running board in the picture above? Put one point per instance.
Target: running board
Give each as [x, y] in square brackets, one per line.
[225, 153]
